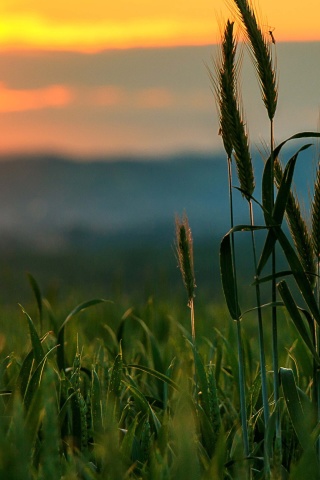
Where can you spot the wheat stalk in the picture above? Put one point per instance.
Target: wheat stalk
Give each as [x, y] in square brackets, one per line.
[232, 125]
[315, 217]
[261, 55]
[184, 251]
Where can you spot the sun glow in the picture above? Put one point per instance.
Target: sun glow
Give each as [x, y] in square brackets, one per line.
[19, 32]
[68, 26]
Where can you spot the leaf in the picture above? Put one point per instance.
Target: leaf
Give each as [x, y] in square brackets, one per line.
[35, 380]
[38, 296]
[75, 311]
[269, 434]
[268, 278]
[278, 209]
[202, 382]
[296, 318]
[228, 278]
[127, 442]
[35, 340]
[156, 374]
[299, 417]
[144, 405]
[81, 307]
[298, 273]
[96, 403]
[116, 374]
[24, 374]
[64, 409]
[267, 179]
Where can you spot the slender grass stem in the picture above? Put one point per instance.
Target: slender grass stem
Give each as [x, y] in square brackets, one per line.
[193, 330]
[275, 358]
[263, 368]
[243, 407]
[242, 390]
[317, 373]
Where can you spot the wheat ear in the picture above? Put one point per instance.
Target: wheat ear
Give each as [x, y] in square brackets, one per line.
[232, 125]
[315, 216]
[303, 241]
[261, 55]
[184, 250]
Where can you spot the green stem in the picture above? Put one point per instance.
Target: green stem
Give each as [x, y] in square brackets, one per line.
[275, 358]
[242, 390]
[263, 369]
[193, 330]
[317, 373]
[243, 407]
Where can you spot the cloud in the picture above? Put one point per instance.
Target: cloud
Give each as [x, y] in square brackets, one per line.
[155, 98]
[148, 98]
[55, 96]
[135, 101]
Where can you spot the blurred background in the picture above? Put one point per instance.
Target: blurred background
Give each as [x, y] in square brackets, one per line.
[109, 129]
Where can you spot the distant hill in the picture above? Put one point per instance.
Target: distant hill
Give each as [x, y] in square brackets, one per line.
[50, 201]
[107, 225]
[53, 202]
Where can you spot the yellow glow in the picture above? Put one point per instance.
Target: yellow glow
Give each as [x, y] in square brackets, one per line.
[96, 25]
[33, 32]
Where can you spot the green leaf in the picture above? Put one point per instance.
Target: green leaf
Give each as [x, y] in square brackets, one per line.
[127, 442]
[64, 409]
[144, 405]
[35, 380]
[202, 382]
[296, 318]
[156, 374]
[116, 374]
[25, 373]
[267, 181]
[298, 273]
[74, 312]
[38, 296]
[268, 278]
[269, 434]
[228, 277]
[80, 308]
[96, 403]
[35, 340]
[300, 418]
[279, 209]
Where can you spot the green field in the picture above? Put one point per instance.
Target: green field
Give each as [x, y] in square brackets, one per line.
[119, 365]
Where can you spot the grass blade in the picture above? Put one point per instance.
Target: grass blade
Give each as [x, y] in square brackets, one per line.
[279, 208]
[74, 312]
[296, 318]
[156, 374]
[300, 418]
[298, 273]
[228, 278]
[37, 293]
[35, 340]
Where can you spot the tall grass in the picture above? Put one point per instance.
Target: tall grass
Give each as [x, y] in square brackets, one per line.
[274, 205]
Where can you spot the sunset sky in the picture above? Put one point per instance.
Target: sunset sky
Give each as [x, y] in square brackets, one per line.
[89, 78]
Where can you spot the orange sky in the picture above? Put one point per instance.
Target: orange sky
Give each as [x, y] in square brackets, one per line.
[101, 24]
[63, 87]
